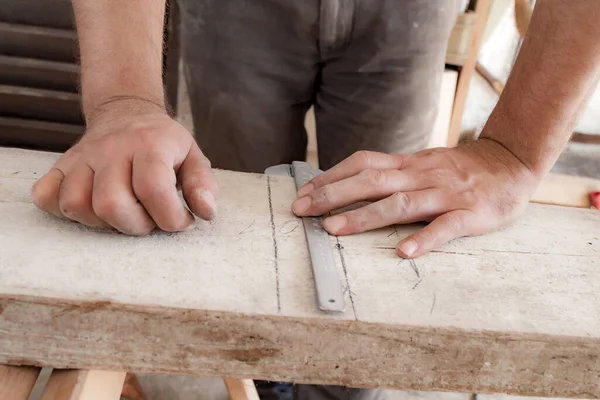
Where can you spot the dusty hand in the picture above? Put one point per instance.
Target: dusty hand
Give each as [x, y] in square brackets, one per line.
[463, 191]
[124, 174]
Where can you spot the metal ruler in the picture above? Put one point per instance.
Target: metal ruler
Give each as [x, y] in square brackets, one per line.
[330, 295]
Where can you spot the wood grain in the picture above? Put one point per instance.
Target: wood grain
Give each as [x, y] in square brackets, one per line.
[241, 389]
[16, 383]
[515, 311]
[84, 385]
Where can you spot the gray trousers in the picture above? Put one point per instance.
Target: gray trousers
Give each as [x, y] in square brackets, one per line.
[372, 70]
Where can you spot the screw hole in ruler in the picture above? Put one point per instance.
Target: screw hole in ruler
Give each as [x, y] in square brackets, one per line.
[331, 300]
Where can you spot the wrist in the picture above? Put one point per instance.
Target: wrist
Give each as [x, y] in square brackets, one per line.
[116, 108]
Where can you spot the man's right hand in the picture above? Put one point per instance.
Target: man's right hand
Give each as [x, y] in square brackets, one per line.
[125, 172]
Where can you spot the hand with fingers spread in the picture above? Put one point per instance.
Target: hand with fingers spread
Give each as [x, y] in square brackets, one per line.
[461, 191]
[124, 174]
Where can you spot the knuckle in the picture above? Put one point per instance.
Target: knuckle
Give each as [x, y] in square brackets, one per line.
[107, 207]
[325, 195]
[72, 204]
[374, 177]
[401, 201]
[364, 158]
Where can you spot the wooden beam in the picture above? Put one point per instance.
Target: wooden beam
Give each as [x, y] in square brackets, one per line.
[42, 74]
[40, 104]
[38, 42]
[515, 311]
[42, 135]
[241, 389]
[49, 14]
[16, 383]
[466, 72]
[84, 385]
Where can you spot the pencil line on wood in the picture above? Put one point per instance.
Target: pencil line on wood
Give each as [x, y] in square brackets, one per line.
[275, 251]
[340, 247]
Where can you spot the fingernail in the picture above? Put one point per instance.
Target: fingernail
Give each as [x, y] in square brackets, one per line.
[407, 248]
[209, 200]
[334, 224]
[306, 189]
[301, 205]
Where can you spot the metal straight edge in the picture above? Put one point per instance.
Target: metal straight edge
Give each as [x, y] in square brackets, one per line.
[330, 296]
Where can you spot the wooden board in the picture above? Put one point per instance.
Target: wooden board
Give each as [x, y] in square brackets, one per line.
[40, 104]
[84, 385]
[16, 383]
[566, 190]
[34, 134]
[46, 13]
[29, 72]
[515, 311]
[38, 42]
[241, 389]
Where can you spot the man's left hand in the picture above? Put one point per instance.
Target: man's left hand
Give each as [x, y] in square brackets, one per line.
[463, 191]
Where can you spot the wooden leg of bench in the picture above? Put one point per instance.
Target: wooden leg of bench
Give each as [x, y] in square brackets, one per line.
[16, 383]
[241, 389]
[84, 385]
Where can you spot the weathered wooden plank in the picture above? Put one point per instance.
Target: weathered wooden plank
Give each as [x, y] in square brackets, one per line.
[40, 104]
[38, 42]
[514, 311]
[43, 74]
[16, 383]
[35, 134]
[74, 384]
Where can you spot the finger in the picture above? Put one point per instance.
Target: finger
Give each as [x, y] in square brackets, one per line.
[441, 230]
[114, 202]
[46, 190]
[399, 208]
[351, 166]
[198, 184]
[155, 185]
[75, 197]
[368, 185]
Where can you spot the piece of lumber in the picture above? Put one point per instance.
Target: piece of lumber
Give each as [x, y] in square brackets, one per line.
[514, 311]
[439, 135]
[73, 384]
[43, 135]
[38, 42]
[40, 104]
[466, 72]
[587, 138]
[16, 383]
[566, 190]
[241, 389]
[42, 74]
[44, 13]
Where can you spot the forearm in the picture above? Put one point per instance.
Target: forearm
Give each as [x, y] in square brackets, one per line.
[121, 51]
[556, 71]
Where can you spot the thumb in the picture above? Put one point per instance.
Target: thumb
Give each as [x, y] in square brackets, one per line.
[441, 230]
[198, 184]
